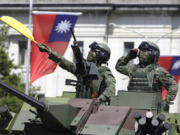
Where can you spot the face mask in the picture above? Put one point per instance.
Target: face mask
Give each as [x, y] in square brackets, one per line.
[144, 56]
[91, 56]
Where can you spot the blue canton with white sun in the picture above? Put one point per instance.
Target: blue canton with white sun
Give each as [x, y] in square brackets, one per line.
[61, 28]
[175, 66]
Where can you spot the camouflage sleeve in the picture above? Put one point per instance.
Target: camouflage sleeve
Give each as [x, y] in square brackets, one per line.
[62, 62]
[122, 67]
[168, 82]
[110, 87]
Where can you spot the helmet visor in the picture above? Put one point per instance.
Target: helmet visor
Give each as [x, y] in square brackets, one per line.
[94, 46]
[144, 45]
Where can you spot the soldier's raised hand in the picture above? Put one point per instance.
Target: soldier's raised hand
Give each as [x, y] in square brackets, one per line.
[44, 48]
[132, 54]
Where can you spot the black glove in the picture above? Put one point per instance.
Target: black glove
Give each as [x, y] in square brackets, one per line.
[165, 106]
[132, 54]
[166, 103]
[44, 48]
[103, 100]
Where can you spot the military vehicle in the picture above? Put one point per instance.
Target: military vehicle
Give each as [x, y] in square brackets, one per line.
[127, 115]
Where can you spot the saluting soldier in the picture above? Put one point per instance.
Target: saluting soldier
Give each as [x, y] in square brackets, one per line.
[147, 76]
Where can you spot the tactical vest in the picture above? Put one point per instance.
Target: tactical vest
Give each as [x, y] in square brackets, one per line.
[144, 79]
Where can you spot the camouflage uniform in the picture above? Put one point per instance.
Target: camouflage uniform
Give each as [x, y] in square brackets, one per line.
[149, 78]
[107, 84]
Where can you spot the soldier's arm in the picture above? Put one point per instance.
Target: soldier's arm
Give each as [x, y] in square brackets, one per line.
[57, 58]
[121, 66]
[62, 62]
[168, 82]
[110, 87]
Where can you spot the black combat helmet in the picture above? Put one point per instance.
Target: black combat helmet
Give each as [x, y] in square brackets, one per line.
[103, 52]
[153, 47]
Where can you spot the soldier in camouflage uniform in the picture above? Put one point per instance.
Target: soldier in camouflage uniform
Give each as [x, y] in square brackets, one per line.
[147, 76]
[99, 53]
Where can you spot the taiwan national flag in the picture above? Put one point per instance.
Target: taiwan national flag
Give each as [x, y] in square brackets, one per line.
[171, 64]
[53, 29]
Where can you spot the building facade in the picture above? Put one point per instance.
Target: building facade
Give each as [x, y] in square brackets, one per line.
[122, 24]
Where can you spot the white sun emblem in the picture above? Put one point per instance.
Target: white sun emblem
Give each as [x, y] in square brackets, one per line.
[176, 65]
[63, 26]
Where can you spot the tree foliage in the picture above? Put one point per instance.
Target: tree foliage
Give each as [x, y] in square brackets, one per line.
[6, 75]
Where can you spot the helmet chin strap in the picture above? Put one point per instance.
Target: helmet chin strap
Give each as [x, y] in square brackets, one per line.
[98, 63]
[155, 58]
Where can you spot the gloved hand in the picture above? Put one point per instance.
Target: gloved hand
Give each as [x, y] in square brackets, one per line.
[166, 103]
[104, 100]
[99, 100]
[132, 54]
[165, 106]
[44, 48]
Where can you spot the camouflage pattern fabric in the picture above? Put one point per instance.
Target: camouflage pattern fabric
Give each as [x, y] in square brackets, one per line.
[163, 78]
[107, 85]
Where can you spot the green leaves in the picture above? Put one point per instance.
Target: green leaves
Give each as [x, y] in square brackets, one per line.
[3, 35]
[6, 75]
[5, 63]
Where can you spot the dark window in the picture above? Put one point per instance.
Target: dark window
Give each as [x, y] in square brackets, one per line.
[22, 52]
[127, 47]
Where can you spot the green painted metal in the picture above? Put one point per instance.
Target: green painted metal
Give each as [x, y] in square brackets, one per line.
[58, 99]
[23, 116]
[97, 129]
[136, 100]
[69, 94]
[75, 121]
